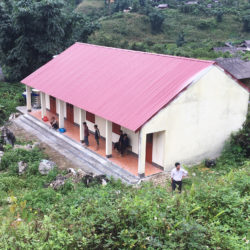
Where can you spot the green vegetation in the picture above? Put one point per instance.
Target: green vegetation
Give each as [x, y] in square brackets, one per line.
[211, 213]
[31, 32]
[133, 31]
[10, 98]
[147, 28]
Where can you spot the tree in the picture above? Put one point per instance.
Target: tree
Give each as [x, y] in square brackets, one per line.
[32, 31]
[219, 15]
[246, 23]
[156, 19]
[181, 39]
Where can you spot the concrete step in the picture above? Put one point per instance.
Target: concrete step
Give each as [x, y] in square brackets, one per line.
[86, 159]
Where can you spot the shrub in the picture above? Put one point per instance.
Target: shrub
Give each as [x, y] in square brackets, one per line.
[11, 158]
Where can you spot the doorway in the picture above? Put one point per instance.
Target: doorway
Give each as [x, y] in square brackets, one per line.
[149, 148]
[52, 101]
[70, 112]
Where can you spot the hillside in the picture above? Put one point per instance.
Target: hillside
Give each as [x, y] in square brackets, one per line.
[201, 32]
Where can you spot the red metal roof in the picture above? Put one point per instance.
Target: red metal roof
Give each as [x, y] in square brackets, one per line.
[123, 86]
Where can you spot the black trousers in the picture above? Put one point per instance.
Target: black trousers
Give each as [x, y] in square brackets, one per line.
[174, 183]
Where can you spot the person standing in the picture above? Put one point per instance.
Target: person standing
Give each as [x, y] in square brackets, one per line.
[86, 134]
[176, 176]
[97, 136]
[118, 144]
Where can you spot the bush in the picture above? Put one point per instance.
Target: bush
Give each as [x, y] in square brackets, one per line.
[11, 158]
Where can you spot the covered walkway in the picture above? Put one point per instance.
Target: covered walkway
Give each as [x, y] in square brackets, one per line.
[128, 162]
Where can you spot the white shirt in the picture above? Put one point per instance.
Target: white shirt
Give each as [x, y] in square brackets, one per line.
[177, 175]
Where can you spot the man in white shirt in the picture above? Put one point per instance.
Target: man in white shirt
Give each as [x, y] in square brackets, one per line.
[176, 176]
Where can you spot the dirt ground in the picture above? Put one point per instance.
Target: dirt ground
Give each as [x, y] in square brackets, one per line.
[60, 160]
[161, 179]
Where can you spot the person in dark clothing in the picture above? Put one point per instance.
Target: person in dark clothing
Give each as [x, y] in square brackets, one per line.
[53, 123]
[97, 136]
[86, 134]
[118, 144]
[124, 144]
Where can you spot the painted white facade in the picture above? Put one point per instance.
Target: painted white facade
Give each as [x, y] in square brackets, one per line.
[197, 123]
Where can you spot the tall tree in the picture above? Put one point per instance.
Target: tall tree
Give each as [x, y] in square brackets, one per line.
[32, 31]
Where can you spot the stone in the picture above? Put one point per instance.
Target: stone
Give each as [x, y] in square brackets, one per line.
[71, 171]
[22, 167]
[7, 137]
[210, 163]
[58, 182]
[100, 179]
[46, 166]
[80, 173]
[36, 145]
[14, 116]
[1, 155]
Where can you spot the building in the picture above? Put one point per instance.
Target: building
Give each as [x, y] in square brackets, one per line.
[162, 6]
[238, 68]
[172, 108]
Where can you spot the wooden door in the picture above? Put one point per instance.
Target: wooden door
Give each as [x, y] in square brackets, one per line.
[52, 104]
[70, 112]
[149, 148]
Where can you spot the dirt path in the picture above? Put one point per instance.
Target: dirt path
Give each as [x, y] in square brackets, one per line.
[61, 161]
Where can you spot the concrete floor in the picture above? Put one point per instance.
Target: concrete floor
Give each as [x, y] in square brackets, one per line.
[128, 162]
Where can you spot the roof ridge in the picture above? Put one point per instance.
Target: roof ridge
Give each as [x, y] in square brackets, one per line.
[149, 53]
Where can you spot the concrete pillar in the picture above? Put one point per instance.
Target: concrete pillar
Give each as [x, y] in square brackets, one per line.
[108, 139]
[142, 155]
[61, 114]
[28, 98]
[165, 151]
[43, 106]
[82, 118]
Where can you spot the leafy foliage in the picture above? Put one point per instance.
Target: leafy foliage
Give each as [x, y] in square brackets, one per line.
[10, 97]
[32, 31]
[212, 212]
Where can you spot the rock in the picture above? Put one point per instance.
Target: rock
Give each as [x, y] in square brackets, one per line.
[100, 179]
[71, 171]
[1, 155]
[36, 145]
[14, 116]
[80, 173]
[58, 182]
[46, 166]
[28, 147]
[210, 163]
[7, 137]
[22, 167]
[1, 147]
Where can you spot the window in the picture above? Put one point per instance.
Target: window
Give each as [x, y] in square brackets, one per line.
[90, 117]
[116, 128]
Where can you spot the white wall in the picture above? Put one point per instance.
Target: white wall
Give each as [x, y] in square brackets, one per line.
[133, 139]
[200, 119]
[158, 148]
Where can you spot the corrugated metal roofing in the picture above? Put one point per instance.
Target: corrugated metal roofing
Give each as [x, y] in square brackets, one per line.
[123, 86]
